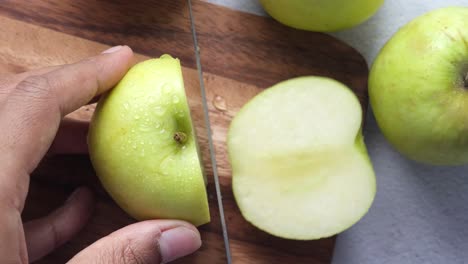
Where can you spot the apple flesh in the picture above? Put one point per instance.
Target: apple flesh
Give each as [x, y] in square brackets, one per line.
[321, 15]
[300, 166]
[418, 88]
[143, 146]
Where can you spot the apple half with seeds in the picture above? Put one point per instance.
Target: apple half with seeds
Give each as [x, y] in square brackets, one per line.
[300, 166]
[143, 147]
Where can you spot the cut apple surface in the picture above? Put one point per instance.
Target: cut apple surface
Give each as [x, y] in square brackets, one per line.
[300, 166]
[143, 146]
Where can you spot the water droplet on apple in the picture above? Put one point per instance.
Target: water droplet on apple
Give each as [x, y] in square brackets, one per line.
[162, 131]
[219, 103]
[175, 99]
[125, 106]
[159, 110]
[137, 117]
[142, 142]
[180, 113]
[134, 146]
[158, 125]
[166, 88]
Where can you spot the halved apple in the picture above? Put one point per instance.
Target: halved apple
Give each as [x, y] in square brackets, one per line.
[143, 146]
[300, 166]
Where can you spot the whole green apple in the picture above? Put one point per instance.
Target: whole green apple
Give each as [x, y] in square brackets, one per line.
[300, 167]
[321, 15]
[418, 88]
[143, 147]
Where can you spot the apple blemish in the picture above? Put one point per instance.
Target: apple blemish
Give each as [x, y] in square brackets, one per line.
[180, 137]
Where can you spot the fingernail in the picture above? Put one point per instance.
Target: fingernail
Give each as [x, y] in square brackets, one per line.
[113, 49]
[178, 242]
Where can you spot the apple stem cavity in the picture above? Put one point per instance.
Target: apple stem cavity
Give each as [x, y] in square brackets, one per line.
[180, 137]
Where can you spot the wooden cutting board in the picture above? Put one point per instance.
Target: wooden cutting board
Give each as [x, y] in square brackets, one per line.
[241, 54]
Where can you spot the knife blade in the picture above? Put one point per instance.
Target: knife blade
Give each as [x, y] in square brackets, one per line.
[209, 133]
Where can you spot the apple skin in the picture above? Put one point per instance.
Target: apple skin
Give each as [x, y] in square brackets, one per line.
[321, 15]
[416, 88]
[132, 147]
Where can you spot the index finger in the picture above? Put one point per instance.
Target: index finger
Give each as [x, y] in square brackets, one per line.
[31, 114]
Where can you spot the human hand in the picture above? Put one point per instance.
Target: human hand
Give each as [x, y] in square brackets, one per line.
[32, 108]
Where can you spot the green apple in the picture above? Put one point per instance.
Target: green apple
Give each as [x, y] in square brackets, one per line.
[418, 88]
[143, 146]
[321, 15]
[300, 166]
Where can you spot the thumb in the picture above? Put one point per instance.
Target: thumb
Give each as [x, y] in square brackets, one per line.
[154, 241]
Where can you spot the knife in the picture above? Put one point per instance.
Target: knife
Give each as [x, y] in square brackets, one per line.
[210, 140]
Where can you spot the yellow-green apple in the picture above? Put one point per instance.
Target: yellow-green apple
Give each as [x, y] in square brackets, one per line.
[143, 147]
[418, 88]
[321, 15]
[300, 166]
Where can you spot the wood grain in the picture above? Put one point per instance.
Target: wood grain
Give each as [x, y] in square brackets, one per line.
[253, 53]
[259, 51]
[241, 55]
[63, 173]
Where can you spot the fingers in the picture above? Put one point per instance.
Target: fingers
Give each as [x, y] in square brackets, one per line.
[45, 234]
[12, 249]
[155, 241]
[33, 110]
[71, 138]
[75, 85]
[30, 115]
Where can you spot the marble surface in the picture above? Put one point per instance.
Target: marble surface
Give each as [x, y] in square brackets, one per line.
[420, 214]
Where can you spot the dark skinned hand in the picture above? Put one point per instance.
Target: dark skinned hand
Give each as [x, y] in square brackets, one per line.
[32, 109]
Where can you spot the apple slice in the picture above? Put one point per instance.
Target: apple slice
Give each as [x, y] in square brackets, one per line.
[143, 146]
[300, 166]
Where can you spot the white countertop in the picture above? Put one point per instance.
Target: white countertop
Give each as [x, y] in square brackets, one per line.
[420, 214]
